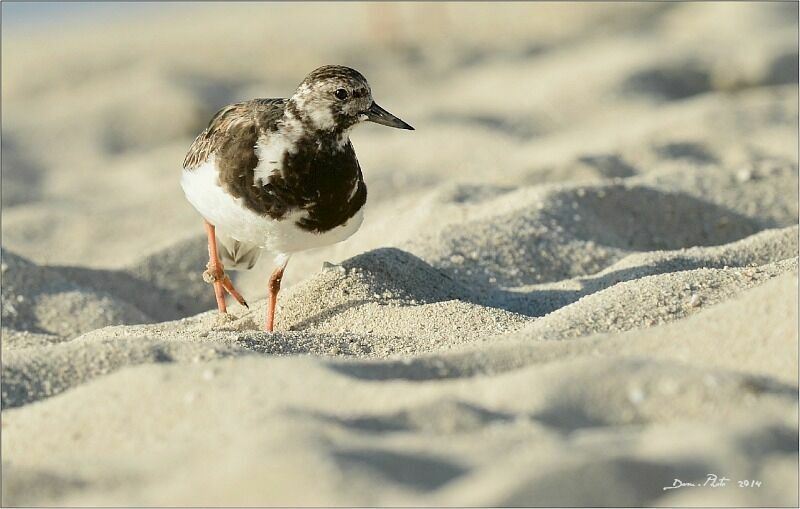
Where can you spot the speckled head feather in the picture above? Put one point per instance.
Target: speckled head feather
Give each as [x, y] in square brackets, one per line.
[331, 98]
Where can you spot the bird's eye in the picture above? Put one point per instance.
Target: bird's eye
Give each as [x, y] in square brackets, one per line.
[341, 94]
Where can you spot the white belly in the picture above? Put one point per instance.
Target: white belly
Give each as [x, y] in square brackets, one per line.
[233, 219]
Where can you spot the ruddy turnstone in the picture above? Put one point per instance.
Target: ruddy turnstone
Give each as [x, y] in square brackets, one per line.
[281, 175]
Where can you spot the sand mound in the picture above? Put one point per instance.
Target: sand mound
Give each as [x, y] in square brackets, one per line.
[578, 232]
[556, 412]
[42, 299]
[68, 301]
[388, 302]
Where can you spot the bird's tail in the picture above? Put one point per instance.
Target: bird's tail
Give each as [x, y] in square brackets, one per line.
[236, 255]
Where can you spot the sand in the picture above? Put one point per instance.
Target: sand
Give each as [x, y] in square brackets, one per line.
[576, 280]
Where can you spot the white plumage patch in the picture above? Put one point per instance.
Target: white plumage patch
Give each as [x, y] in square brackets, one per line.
[322, 118]
[272, 149]
[270, 152]
[232, 219]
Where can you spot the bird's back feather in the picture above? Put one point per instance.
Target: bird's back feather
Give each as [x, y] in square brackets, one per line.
[257, 114]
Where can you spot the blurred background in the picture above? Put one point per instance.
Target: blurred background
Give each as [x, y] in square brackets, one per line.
[102, 100]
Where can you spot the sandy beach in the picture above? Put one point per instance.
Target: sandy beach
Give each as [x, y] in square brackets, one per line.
[576, 281]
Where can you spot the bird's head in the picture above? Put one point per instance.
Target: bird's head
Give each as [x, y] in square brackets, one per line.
[335, 98]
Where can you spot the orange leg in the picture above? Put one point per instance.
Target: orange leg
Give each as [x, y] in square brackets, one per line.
[274, 288]
[215, 273]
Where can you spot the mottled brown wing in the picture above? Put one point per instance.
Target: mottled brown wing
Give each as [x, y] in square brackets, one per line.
[253, 113]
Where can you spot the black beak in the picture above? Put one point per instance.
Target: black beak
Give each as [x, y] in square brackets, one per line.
[380, 116]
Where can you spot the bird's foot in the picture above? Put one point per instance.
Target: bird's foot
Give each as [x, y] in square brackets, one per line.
[215, 274]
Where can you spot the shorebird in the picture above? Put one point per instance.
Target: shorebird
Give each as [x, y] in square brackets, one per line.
[281, 175]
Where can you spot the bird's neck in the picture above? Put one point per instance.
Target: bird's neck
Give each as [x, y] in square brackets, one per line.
[320, 121]
[315, 132]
